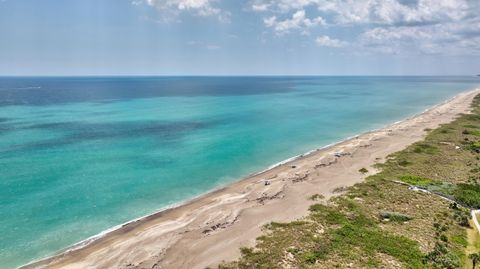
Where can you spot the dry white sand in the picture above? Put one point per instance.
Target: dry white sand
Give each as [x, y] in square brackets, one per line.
[212, 228]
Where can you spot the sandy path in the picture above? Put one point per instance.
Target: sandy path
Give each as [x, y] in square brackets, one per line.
[211, 228]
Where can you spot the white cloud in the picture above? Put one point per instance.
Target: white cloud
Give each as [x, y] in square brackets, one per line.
[393, 12]
[297, 21]
[393, 26]
[376, 11]
[326, 41]
[260, 7]
[286, 5]
[197, 7]
[393, 34]
[462, 37]
[270, 22]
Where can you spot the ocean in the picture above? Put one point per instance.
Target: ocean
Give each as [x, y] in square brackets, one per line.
[79, 155]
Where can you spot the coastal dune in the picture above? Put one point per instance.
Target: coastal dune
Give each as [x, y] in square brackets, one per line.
[211, 228]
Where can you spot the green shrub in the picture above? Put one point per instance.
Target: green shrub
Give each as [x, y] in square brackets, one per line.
[318, 208]
[378, 241]
[404, 163]
[440, 257]
[425, 148]
[394, 216]
[468, 194]
[415, 180]
[363, 170]
[462, 217]
[444, 238]
[316, 197]
[475, 146]
[460, 239]
[312, 256]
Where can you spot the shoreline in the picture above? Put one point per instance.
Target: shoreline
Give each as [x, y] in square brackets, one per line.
[171, 222]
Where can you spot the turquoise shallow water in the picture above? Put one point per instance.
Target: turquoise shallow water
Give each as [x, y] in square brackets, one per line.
[80, 155]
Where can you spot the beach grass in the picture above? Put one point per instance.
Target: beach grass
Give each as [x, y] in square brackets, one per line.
[380, 223]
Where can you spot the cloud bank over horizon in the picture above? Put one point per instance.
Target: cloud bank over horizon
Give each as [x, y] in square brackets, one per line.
[386, 26]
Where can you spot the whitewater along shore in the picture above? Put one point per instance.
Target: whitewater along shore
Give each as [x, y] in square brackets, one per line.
[210, 229]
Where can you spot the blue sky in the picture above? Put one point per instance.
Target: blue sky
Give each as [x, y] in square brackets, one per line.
[232, 37]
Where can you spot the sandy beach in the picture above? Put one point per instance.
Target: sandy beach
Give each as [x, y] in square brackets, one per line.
[211, 228]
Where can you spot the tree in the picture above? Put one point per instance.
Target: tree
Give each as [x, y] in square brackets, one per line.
[475, 258]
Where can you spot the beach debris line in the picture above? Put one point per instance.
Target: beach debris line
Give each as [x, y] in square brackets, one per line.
[222, 225]
[265, 197]
[300, 177]
[341, 154]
